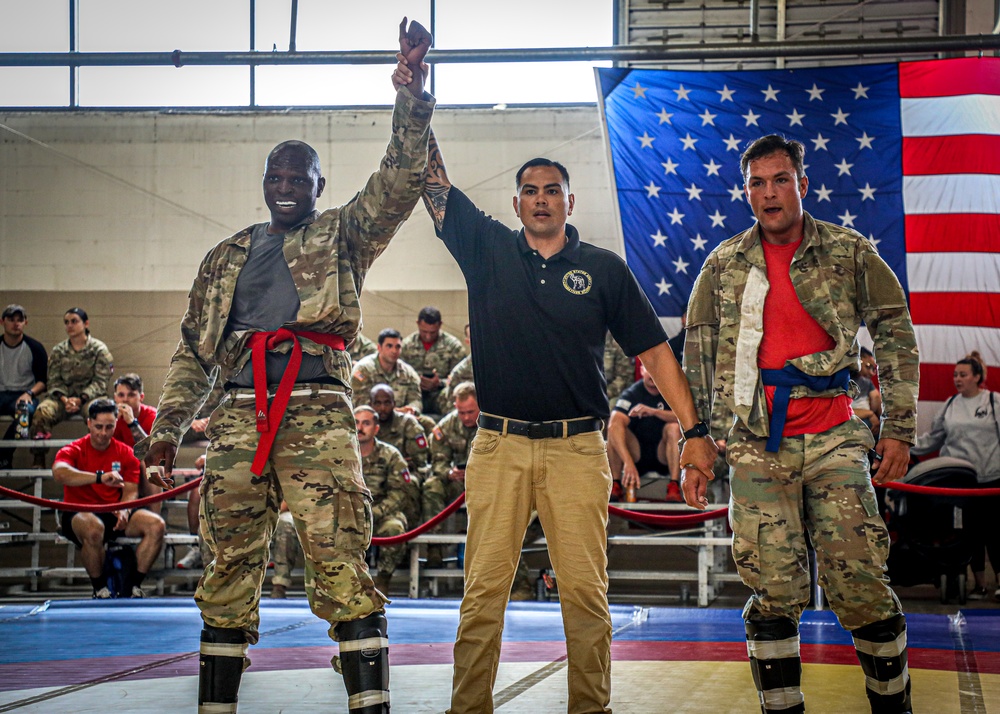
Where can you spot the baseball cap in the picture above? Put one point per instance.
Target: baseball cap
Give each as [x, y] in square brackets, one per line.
[12, 310]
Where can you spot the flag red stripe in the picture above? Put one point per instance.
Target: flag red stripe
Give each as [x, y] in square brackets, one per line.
[964, 154]
[969, 309]
[949, 78]
[936, 383]
[953, 233]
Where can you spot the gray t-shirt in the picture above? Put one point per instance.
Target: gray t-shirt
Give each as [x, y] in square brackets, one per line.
[966, 428]
[265, 299]
[16, 374]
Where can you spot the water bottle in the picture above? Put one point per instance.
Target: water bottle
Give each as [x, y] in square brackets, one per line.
[23, 419]
[116, 466]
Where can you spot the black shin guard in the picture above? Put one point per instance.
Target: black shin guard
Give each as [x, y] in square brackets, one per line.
[881, 650]
[773, 646]
[223, 657]
[364, 662]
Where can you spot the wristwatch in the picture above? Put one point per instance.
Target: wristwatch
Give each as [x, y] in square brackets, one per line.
[699, 429]
[100, 475]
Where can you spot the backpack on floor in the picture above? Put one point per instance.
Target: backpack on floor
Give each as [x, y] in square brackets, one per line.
[119, 568]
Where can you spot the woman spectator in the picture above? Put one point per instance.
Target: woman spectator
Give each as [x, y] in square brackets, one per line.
[80, 369]
[967, 428]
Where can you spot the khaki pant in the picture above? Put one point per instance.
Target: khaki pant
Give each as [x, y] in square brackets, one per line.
[568, 482]
[314, 465]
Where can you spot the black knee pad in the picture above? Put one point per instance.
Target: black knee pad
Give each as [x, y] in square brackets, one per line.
[773, 647]
[221, 664]
[881, 648]
[364, 662]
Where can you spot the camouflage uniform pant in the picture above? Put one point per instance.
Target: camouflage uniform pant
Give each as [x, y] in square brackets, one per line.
[285, 550]
[816, 485]
[315, 467]
[389, 557]
[50, 412]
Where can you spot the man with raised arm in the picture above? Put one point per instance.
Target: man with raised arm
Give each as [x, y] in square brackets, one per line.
[270, 314]
[541, 302]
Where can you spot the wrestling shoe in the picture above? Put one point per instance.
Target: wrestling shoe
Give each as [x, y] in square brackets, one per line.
[674, 494]
[191, 560]
[102, 594]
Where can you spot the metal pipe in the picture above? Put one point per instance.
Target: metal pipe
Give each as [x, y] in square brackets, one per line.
[74, 73]
[755, 21]
[253, 46]
[631, 53]
[293, 24]
[781, 29]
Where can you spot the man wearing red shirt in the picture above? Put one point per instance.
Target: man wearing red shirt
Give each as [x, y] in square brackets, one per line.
[135, 420]
[86, 471]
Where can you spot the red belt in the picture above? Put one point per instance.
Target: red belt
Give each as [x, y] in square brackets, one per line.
[268, 421]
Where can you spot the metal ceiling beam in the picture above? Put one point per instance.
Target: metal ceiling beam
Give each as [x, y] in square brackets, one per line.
[628, 53]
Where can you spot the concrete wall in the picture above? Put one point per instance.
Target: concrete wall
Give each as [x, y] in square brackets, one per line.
[112, 212]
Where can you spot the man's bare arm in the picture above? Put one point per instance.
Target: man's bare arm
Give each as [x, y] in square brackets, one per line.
[436, 184]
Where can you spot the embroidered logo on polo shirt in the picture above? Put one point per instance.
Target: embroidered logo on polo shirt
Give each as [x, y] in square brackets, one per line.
[578, 282]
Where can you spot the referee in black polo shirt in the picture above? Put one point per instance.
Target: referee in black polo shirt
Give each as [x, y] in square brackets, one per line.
[541, 303]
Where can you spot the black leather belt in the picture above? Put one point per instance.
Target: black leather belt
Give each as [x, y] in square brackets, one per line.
[541, 429]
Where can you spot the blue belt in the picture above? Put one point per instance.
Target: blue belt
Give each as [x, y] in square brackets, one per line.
[783, 380]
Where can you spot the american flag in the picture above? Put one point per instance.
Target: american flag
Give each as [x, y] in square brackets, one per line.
[907, 154]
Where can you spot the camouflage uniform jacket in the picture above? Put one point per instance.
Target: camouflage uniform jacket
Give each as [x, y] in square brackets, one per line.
[619, 369]
[84, 374]
[393, 488]
[840, 280]
[451, 443]
[461, 372]
[361, 347]
[441, 357]
[403, 379]
[405, 433]
[329, 256]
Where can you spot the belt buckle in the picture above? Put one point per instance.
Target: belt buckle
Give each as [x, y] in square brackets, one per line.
[539, 430]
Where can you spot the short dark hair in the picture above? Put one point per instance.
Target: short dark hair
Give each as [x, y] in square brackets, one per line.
[387, 333]
[294, 145]
[430, 315]
[772, 144]
[82, 314]
[865, 352]
[382, 387]
[102, 406]
[541, 162]
[131, 380]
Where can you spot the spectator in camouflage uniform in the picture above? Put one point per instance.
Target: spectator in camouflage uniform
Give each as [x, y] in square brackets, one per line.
[433, 353]
[451, 443]
[395, 492]
[775, 308]
[301, 272]
[400, 429]
[361, 348]
[80, 369]
[461, 372]
[619, 369]
[285, 553]
[385, 367]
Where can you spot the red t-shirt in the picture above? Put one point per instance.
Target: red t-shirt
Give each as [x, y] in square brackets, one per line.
[789, 332]
[81, 455]
[146, 417]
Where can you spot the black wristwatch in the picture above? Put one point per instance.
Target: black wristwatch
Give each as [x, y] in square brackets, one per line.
[100, 475]
[134, 422]
[699, 429]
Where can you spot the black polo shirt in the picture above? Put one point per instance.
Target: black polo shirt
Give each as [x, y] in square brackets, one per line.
[539, 325]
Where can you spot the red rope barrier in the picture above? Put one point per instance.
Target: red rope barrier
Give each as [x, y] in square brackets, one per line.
[939, 490]
[99, 507]
[650, 519]
[423, 527]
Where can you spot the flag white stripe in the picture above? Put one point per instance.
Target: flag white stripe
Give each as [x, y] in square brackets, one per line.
[952, 193]
[949, 116]
[953, 272]
[946, 344]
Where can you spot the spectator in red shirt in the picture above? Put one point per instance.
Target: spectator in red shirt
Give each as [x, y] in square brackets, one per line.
[85, 468]
[135, 419]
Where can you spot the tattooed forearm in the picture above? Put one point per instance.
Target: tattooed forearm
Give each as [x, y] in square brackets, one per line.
[436, 184]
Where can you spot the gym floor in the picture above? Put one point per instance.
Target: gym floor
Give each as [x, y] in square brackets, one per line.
[141, 656]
